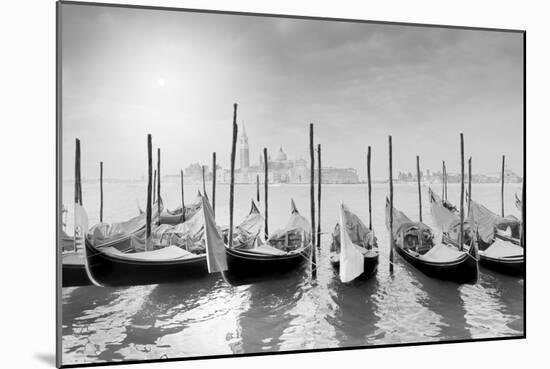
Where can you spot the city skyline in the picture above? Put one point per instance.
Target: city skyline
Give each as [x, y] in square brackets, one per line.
[243, 159]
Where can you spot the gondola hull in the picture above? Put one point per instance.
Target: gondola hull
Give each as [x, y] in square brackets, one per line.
[462, 270]
[370, 265]
[243, 263]
[513, 266]
[109, 270]
[73, 270]
[74, 275]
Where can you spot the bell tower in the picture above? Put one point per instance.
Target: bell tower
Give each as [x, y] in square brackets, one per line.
[243, 150]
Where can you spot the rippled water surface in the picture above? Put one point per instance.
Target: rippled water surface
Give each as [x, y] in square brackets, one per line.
[207, 316]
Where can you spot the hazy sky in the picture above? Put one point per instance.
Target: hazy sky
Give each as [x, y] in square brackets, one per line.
[176, 75]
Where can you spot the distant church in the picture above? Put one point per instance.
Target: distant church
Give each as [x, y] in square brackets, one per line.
[281, 169]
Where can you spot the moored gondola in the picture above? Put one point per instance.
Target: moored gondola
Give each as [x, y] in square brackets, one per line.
[71, 248]
[414, 242]
[285, 250]
[173, 255]
[500, 247]
[354, 248]
[73, 272]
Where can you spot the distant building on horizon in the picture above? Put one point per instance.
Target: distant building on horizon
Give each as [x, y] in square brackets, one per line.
[436, 177]
[280, 169]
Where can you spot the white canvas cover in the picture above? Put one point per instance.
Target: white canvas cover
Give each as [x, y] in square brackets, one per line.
[358, 232]
[215, 248]
[447, 220]
[253, 224]
[165, 254]
[486, 221]
[190, 211]
[502, 249]
[400, 220]
[442, 253]
[267, 250]
[188, 236]
[297, 223]
[403, 225]
[104, 232]
[351, 257]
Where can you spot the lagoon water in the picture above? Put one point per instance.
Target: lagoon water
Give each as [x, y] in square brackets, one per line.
[206, 316]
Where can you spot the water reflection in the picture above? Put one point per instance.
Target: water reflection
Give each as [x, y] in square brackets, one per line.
[175, 317]
[494, 306]
[270, 311]
[404, 317]
[444, 299]
[95, 330]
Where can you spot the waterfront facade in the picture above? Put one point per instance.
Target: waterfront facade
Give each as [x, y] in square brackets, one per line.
[281, 169]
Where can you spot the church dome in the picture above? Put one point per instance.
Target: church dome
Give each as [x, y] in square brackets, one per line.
[281, 156]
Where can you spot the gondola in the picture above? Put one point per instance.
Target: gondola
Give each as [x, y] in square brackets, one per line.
[353, 241]
[414, 242]
[177, 253]
[73, 265]
[73, 272]
[253, 255]
[500, 248]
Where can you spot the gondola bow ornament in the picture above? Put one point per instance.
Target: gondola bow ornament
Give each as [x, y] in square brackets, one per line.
[80, 226]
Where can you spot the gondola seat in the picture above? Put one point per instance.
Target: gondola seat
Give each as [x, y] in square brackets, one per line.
[442, 253]
[165, 254]
[266, 250]
[503, 249]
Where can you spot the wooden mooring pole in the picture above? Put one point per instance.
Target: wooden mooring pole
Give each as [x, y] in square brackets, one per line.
[101, 192]
[502, 189]
[391, 205]
[232, 171]
[77, 191]
[419, 200]
[461, 238]
[370, 188]
[469, 187]
[257, 188]
[159, 201]
[419, 188]
[266, 183]
[154, 186]
[148, 209]
[312, 201]
[77, 177]
[319, 180]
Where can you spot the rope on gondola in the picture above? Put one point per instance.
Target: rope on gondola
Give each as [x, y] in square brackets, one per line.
[308, 258]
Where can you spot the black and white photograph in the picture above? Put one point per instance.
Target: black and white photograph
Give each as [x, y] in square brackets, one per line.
[234, 184]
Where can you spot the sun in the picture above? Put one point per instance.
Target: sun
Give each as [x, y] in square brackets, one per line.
[161, 82]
